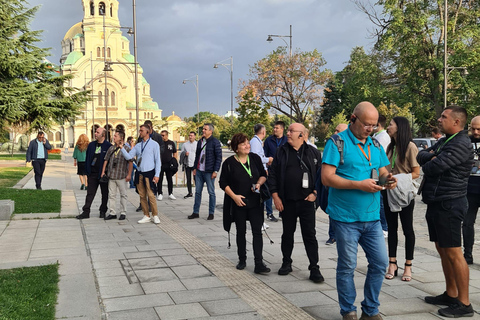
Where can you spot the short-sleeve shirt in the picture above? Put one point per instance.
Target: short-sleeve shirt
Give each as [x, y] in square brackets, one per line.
[410, 160]
[167, 155]
[353, 205]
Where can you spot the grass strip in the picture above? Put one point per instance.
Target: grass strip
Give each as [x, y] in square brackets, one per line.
[6, 156]
[33, 201]
[9, 176]
[29, 293]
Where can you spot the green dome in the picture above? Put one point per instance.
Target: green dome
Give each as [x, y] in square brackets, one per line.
[73, 57]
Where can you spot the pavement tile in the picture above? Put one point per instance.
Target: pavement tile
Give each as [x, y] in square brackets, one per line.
[141, 254]
[180, 260]
[110, 272]
[309, 299]
[200, 295]
[202, 283]
[191, 271]
[153, 275]
[121, 290]
[144, 314]
[229, 306]
[147, 263]
[162, 286]
[137, 302]
[112, 281]
[182, 311]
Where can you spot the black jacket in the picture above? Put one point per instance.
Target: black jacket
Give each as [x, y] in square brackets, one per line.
[474, 181]
[276, 173]
[446, 176]
[90, 154]
[213, 154]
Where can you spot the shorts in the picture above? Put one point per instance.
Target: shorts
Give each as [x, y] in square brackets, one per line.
[444, 219]
[81, 169]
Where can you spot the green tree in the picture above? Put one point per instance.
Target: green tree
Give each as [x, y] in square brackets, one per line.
[341, 117]
[250, 112]
[32, 92]
[291, 85]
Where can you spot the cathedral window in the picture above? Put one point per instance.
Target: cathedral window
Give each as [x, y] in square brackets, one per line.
[98, 52]
[108, 52]
[113, 98]
[100, 98]
[144, 115]
[92, 9]
[101, 9]
[130, 115]
[103, 52]
[111, 10]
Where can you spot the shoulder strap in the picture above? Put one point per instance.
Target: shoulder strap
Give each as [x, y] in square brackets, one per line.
[338, 141]
[376, 143]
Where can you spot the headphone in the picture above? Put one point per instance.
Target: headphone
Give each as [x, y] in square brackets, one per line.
[300, 135]
[353, 118]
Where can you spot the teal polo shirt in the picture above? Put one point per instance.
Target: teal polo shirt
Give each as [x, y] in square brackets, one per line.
[350, 205]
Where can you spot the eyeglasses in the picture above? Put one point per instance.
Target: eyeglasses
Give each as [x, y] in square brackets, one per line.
[292, 131]
[371, 126]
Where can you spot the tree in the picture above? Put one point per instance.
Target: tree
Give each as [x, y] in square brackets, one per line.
[32, 92]
[291, 85]
[250, 112]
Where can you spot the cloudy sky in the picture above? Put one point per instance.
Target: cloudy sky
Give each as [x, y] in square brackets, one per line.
[178, 39]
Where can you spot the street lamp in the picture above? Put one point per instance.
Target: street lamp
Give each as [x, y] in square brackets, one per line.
[195, 83]
[269, 39]
[215, 66]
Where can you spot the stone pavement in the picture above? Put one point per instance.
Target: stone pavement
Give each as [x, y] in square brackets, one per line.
[182, 269]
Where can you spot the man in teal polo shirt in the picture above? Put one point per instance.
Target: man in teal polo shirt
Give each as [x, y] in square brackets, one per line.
[354, 207]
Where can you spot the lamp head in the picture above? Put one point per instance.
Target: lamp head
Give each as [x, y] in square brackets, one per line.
[215, 66]
[184, 82]
[130, 32]
[269, 39]
[108, 67]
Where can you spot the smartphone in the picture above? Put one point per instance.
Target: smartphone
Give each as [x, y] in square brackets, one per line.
[254, 189]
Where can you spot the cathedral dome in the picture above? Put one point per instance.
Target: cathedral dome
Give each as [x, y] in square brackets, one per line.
[73, 31]
[174, 117]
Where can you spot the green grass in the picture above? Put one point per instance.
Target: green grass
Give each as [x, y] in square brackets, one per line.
[33, 201]
[9, 176]
[7, 156]
[29, 293]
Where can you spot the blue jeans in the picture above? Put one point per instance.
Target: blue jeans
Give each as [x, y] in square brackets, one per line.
[268, 206]
[370, 236]
[383, 219]
[202, 177]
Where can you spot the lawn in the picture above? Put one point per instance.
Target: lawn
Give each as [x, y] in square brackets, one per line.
[7, 156]
[29, 293]
[9, 176]
[33, 201]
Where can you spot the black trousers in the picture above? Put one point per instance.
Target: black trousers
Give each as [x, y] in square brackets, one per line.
[468, 227]
[38, 169]
[255, 216]
[188, 173]
[93, 183]
[168, 173]
[406, 217]
[305, 211]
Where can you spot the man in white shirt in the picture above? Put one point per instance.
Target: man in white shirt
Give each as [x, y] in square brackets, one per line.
[190, 148]
[381, 134]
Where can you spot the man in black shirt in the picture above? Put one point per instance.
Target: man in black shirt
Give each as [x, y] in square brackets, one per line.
[166, 157]
[295, 165]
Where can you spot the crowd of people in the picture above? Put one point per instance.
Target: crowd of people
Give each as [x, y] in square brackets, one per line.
[367, 177]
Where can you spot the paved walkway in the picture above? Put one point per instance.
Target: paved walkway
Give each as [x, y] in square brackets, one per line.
[183, 269]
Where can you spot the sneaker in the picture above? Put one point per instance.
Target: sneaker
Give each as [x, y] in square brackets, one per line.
[188, 196]
[265, 226]
[145, 219]
[156, 220]
[172, 197]
[193, 216]
[330, 241]
[457, 310]
[139, 208]
[210, 217]
[160, 197]
[261, 268]
[352, 315]
[272, 218]
[285, 269]
[385, 234]
[241, 265]
[443, 299]
[367, 317]
[316, 275]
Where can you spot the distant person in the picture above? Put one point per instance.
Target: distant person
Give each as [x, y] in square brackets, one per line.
[341, 127]
[473, 194]
[37, 153]
[148, 172]
[118, 170]
[79, 155]
[167, 156]
[307, 139]
[208, 158]
[96, 152]
[292, 177]
[446, 168]
[131, 143]
[270, 146]
[436, 133]
[190, 147]
[242, 176]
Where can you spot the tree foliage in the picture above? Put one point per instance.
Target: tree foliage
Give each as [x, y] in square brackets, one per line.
[291, 85]
[32, 92]
[250, 112]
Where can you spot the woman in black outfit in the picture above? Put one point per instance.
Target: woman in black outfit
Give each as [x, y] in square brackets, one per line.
[241, 178]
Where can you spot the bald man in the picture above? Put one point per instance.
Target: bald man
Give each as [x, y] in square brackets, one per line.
[473, 194]
[292, 177]
[341, 127]
[354, 209]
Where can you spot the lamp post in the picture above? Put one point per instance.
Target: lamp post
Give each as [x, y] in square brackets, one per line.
[269, 39]
[195, 83]
[136, 63]
[221, 63]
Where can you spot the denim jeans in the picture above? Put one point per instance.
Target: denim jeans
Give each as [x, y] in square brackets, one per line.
[268, 206]
[383, 219]
[370, 236]
[202, 177]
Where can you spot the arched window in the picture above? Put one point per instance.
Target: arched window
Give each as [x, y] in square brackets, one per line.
[123, 45]
[100, 98]
[92, 9]
[101, 9]
[144, 115]
[111, 10]
[107, 94]
[50, 136]
[98, 52]
[113, 98]
[108, 52]
[58, 136]
[71, 46]
[103, 52]
[151, 115]
[130, 115]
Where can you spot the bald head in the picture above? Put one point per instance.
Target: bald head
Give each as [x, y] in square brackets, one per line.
[364, 119]
[341, 127]
[295, 135]
[365, 107]
[475, 127]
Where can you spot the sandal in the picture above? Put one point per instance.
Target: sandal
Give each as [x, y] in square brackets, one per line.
[407, 277]
[390, 276]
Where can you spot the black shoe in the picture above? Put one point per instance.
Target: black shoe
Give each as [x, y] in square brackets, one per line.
[271, 218]
[102, 215]
[241, 265]
[457, 310]
[443, 299]
[83, 216]
[285, 269]
[210, 217]
[261, 268]
[193, 216]
[316, 276]
[139, 209]
[110, 217]
[188, 196]
[122, 217]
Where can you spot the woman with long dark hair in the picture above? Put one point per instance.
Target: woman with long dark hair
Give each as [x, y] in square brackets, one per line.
[402, 153]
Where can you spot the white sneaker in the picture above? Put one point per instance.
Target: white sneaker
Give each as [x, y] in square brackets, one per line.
[265, 226]
[172, 197]
[145, 219]
[385, 234]
[156, 220]
[160, 197]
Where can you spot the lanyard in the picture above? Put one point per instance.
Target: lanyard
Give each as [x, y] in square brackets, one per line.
[117, 150]
[394, 157]
[278, 141]
[142, 147]
[438, 150]
[98, 149]
[249, 169]
[204, 144]
[369, 154]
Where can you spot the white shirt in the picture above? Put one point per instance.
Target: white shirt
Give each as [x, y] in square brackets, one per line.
[191, 148]
[383, 138]
[256, 146]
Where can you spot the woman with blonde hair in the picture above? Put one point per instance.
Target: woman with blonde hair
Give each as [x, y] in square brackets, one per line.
[79, 154]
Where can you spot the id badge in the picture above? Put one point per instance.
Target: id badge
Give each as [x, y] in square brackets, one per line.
[139, 161]
[202, 159]
[94, 161]
[305, 180]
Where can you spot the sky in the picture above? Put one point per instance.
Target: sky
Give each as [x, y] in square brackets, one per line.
[178, 39]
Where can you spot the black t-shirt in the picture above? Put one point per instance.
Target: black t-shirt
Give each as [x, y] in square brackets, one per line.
[96, 158]
[294, 176]
[167, 155]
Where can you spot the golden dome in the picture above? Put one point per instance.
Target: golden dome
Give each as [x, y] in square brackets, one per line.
[174, 117]
[73, 31]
